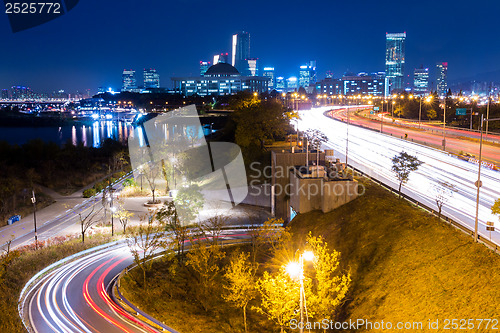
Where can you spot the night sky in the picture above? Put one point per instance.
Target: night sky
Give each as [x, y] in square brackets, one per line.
[89, 46]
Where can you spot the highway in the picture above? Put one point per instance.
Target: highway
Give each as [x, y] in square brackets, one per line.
[371, 152]
[75, 297]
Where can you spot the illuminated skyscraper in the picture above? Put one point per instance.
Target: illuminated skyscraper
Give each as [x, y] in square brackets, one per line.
[421, 81]
[221, 58]
[151, 78]
[292, 83]
[280, 84]
[395, 61]
[307, 74]
[252, 68]
[241, 50]
[129, 82]
[442, 78]
[269, 72]
[204, 65]
[5, 94]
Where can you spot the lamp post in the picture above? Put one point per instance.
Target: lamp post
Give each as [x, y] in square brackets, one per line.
[487, 113]
[444, 124]
[478, 182]
[296, 271]
[33, 200]
[347, 137]
[427, 100]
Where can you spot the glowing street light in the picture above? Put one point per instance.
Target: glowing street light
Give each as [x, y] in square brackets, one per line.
[478, 182]
[296, 272]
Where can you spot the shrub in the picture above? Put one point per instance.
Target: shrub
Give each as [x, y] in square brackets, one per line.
[129, 182]
[89, 192]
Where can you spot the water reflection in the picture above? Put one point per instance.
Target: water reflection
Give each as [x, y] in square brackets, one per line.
[88, 136]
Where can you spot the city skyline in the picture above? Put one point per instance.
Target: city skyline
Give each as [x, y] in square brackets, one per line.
[89, 55]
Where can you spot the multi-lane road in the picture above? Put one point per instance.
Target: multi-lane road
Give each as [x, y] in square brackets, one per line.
[371, 152]
[75, 297]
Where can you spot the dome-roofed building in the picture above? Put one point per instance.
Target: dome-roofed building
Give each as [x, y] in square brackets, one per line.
[221, 70]
[220, 79]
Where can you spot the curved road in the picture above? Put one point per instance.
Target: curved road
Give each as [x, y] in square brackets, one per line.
[371, 152]
[76, 296]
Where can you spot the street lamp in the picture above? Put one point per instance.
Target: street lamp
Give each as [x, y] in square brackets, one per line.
[296, 272]
[428, 99]
[33, 200]
[478, 182]
[113, 210]
[444, 124]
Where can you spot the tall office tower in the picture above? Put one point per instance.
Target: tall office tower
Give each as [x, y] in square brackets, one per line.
[21, 92]
[280, 84]
[269, 72]
[241, 50]
[395, 61]
[221, 58]
[129, 82]
[292, 83]
[151, 78]
[5, 94]
[307, 74]
[251, 68]
[442, 78]
[204, 67]
[421, 81]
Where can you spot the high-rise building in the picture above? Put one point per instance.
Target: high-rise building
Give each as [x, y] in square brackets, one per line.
[280, 84]
[252, 68]
[21, 92]
[221, 58]
[241, 50]
[307, 74]
[421, 81]
[395, 61]
[442, 78]
[5, 94]
[129, 82]
[292, 83]
[151, 78]
[269, 72]
[204, 65]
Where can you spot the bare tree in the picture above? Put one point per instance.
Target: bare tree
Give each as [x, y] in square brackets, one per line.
[87, 220]
[122, 214]
[152, 173]
[144, 245]
[316, 139]
[443, 191]
[214, 226]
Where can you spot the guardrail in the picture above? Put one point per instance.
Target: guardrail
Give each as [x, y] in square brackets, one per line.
[47, 270]
[458, 224]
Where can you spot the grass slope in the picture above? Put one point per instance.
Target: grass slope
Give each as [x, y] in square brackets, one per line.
[406, 265]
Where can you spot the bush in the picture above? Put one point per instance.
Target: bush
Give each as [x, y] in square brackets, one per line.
[89, 192]
[129, 182]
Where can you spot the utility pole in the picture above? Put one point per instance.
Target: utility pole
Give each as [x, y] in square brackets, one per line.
[33, 200]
